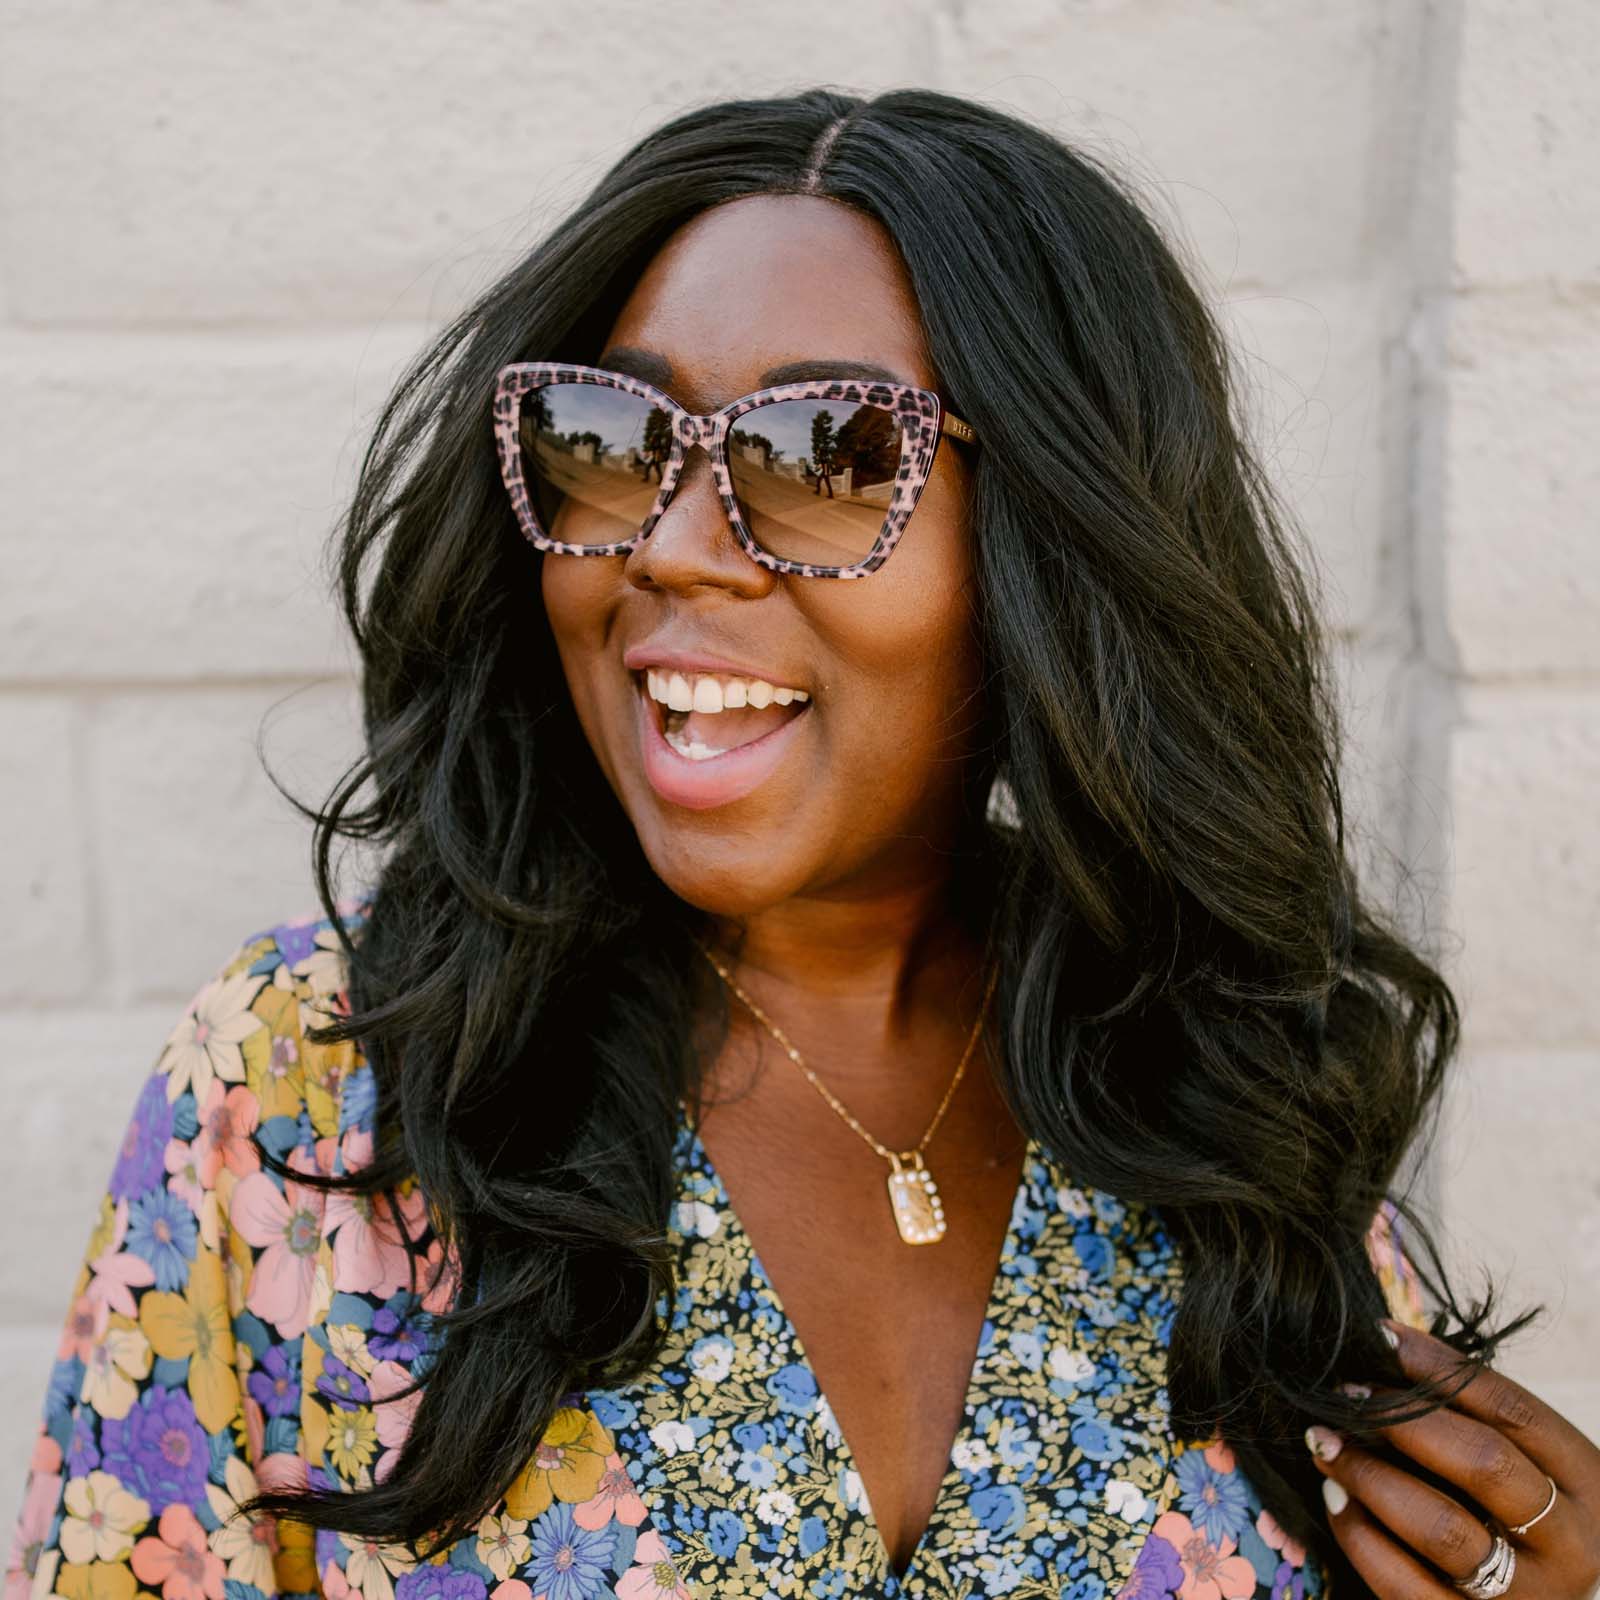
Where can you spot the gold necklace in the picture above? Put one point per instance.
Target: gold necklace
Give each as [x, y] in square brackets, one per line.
[913, 1195]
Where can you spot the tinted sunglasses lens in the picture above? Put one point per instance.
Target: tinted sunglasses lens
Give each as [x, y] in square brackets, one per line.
[592, 458]
[814, 477]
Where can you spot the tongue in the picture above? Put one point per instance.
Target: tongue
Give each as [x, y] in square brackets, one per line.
[726, 730]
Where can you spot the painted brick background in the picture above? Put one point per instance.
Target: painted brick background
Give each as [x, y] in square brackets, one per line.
[223, 227]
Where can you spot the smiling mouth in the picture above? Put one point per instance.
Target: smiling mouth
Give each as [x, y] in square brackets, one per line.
[703, 715]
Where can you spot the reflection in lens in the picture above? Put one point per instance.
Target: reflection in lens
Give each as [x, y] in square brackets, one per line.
[814, 477]
[592, 458]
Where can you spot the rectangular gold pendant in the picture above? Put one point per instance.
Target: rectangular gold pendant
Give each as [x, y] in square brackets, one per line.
[918, 1211]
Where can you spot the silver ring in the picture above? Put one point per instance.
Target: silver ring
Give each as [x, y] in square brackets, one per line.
[1522, 1527]
[1495, 1572]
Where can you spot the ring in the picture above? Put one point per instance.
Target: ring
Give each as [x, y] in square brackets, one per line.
[1494, 1573]
[1522, 1527]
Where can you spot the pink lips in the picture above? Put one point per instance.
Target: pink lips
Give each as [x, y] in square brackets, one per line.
[718, 780]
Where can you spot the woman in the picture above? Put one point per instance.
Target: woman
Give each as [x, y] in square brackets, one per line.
[866, 1070]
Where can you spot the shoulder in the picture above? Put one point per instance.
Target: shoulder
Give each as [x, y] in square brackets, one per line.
[242, 1041]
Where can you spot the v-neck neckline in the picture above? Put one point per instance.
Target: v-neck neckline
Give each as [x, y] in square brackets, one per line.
[897, 1583]
[1058, 1470]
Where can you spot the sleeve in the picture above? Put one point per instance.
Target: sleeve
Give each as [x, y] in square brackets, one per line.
[176, 1390]
[1396, 1275]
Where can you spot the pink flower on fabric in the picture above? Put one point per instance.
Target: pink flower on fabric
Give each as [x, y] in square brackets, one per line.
[511, 1589]
[116, 1273]
[1210, 1572]
[85, 1323]
[33, 1528]
[653, 1576]
[369, 1256]
[286, 1225]
[616, 1497]
[228, 1118]
[392, 1417]
[1273, 1536]
[178, 1560]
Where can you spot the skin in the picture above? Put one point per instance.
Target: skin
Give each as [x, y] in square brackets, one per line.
[837, 867]
[1495, 1442]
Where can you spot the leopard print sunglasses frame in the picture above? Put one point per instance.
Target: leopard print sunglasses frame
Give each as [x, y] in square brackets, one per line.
[919, 412]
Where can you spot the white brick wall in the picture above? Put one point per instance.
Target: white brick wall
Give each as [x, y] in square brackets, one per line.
[220, 237]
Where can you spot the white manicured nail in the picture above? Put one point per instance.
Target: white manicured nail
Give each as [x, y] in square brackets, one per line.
[1333, 1493]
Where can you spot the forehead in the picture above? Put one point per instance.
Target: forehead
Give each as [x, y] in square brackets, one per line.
[769, 279]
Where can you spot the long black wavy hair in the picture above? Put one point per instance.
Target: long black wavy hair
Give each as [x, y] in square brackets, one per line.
[1198, 1010]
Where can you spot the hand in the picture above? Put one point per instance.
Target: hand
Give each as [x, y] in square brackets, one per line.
[1495, 1442]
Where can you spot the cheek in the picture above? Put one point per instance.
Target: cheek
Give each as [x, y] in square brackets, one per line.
[579, 596]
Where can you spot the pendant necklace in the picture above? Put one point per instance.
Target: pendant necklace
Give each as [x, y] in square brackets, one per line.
[913, 1195]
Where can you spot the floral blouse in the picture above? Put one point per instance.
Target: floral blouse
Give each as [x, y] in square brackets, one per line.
[232, 1328]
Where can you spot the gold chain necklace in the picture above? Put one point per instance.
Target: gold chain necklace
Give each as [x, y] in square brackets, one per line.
[913, 1195]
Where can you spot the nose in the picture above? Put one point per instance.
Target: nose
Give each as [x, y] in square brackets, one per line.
[692, 546]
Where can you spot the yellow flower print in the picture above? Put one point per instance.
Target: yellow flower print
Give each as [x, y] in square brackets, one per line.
[370, 1566]
[567, 1464]
[348, 1342]
[247, 1545]
[195, 1327]
[352, 1440]
[102, 1519]
[115, 1366]
[503, 1545]
[272, 1057]
[98, 1580]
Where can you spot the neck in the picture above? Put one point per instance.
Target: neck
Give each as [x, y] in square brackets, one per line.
[882, 971]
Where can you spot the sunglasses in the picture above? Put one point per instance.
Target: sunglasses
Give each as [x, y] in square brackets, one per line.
[817, 478]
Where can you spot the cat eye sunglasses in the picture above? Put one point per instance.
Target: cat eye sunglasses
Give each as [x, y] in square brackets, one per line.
[816, 478]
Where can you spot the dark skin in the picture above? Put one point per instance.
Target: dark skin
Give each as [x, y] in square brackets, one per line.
[836, 870]
[849, 940]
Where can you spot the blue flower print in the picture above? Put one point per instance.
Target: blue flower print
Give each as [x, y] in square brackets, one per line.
[1099, 1440]
[1217, 1503]
[1094, 1251]
[793, 1388]
[999, 1509]
[568, 1562]
[725, 1533]
[161, 1228]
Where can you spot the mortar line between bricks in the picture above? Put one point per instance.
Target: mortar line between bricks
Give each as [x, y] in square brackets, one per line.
[136, 685]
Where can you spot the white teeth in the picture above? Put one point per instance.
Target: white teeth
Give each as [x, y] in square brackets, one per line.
[704, 693]
[693, 750]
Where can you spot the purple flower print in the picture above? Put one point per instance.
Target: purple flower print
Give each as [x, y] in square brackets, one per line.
[1156, 1575]
[141, 1164]
[275, 1383]
[342, 1386]
[429, 1582]
[398, 1333]
[159, 1450]
[83, 1454]
[161, 1228]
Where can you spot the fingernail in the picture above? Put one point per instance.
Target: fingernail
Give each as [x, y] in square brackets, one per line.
[1333, 1493]
[1322, 1442]
[1390, 1335]
[1356, 1391]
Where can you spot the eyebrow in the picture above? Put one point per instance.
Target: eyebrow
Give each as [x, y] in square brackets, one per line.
[649, 367]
